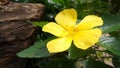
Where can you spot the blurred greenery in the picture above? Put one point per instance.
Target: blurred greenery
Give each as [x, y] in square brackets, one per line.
[107, 48]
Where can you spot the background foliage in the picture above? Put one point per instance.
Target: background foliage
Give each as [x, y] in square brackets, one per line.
[104, 55]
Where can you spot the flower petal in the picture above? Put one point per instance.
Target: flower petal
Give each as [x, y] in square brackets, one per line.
[67, 18]
[55, 29]
[89, 22]
[87, 38]
[59, 45]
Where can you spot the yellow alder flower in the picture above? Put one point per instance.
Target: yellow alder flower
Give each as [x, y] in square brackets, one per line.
[83, 34]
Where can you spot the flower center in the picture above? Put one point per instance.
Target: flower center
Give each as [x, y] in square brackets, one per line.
[71, 32]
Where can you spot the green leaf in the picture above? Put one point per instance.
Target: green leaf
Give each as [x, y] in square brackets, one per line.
[40, 24]
[58, 1]
[75, 53]
[115, 34]
[38, 50]
[111, 44]
[91, 63]
[111, 23]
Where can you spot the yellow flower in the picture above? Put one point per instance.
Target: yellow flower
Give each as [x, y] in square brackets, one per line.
[83, 35]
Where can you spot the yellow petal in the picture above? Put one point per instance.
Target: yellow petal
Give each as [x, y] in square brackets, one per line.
[89, 22]
[87, 38]
[67, 18]
[55, 29]
[59, 45]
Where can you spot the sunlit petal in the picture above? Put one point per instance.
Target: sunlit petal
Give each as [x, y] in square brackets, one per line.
[67, 18]
[89, 22]
[59, 45]
[55, 29]
[87, 38]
